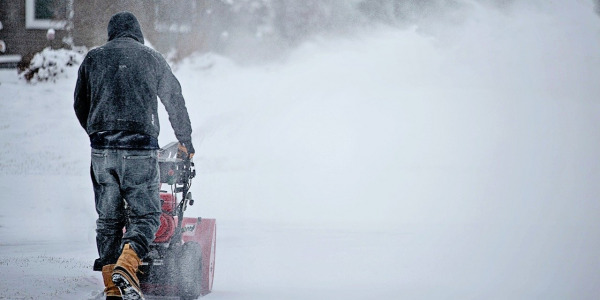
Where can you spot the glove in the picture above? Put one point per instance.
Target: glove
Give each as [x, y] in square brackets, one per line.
[186, 149]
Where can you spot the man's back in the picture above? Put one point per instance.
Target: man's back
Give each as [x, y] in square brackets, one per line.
[119, 83]
[123, 78]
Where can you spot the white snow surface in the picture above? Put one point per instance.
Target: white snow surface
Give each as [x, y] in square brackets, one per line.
[433, 162]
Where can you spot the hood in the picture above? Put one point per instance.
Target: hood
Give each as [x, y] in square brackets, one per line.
[125, 24]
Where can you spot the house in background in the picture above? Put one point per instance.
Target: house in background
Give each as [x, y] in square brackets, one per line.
[25, 25]
[29, 26]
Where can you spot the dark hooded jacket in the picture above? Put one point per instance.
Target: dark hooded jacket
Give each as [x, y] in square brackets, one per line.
[118, 85]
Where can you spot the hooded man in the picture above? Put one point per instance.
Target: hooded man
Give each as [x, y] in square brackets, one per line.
[116, 103]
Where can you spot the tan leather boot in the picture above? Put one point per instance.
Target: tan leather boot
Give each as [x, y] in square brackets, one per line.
[124, 275]
[111, 291]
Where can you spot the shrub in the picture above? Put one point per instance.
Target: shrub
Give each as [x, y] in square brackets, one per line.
[52, 64]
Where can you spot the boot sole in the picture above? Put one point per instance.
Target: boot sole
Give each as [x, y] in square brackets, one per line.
[128, 291]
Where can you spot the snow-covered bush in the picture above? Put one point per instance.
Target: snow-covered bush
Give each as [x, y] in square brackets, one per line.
[52, 64]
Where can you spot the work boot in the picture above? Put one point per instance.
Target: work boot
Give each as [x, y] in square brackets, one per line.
[124, 275]
[111, 291]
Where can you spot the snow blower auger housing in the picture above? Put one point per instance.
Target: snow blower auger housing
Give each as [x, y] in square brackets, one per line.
[181, 259]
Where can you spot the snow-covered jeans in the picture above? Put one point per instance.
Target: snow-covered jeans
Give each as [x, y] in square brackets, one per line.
[126, 188]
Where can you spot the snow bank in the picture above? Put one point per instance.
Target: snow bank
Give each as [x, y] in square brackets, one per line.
[396, 128]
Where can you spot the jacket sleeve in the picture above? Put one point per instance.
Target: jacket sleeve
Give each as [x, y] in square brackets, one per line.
[82, 97]
[169, 92]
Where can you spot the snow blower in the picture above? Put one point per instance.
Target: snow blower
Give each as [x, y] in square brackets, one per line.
[181, 259]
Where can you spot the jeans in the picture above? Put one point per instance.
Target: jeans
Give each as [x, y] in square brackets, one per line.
[126, 188]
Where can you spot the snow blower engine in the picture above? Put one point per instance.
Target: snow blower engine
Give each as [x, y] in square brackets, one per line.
[181, 259]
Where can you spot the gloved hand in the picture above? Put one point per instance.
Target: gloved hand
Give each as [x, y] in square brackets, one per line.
[186, 149]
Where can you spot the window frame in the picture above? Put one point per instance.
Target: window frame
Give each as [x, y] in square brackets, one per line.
[32, 23]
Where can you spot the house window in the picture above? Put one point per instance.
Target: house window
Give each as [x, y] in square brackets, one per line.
[45, 14]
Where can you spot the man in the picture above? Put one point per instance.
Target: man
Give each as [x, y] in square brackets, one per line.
[116, 103]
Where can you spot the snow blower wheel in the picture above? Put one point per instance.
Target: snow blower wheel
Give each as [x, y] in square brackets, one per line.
[190, 268]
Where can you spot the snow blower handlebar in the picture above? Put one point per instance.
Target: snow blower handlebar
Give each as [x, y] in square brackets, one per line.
[175, 167]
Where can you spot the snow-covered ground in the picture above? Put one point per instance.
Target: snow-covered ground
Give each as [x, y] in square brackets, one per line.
[433, 162]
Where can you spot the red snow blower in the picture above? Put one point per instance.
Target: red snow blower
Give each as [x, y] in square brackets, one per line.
[181, 259]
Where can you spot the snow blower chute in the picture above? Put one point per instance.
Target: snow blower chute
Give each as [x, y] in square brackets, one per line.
[181, 259]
